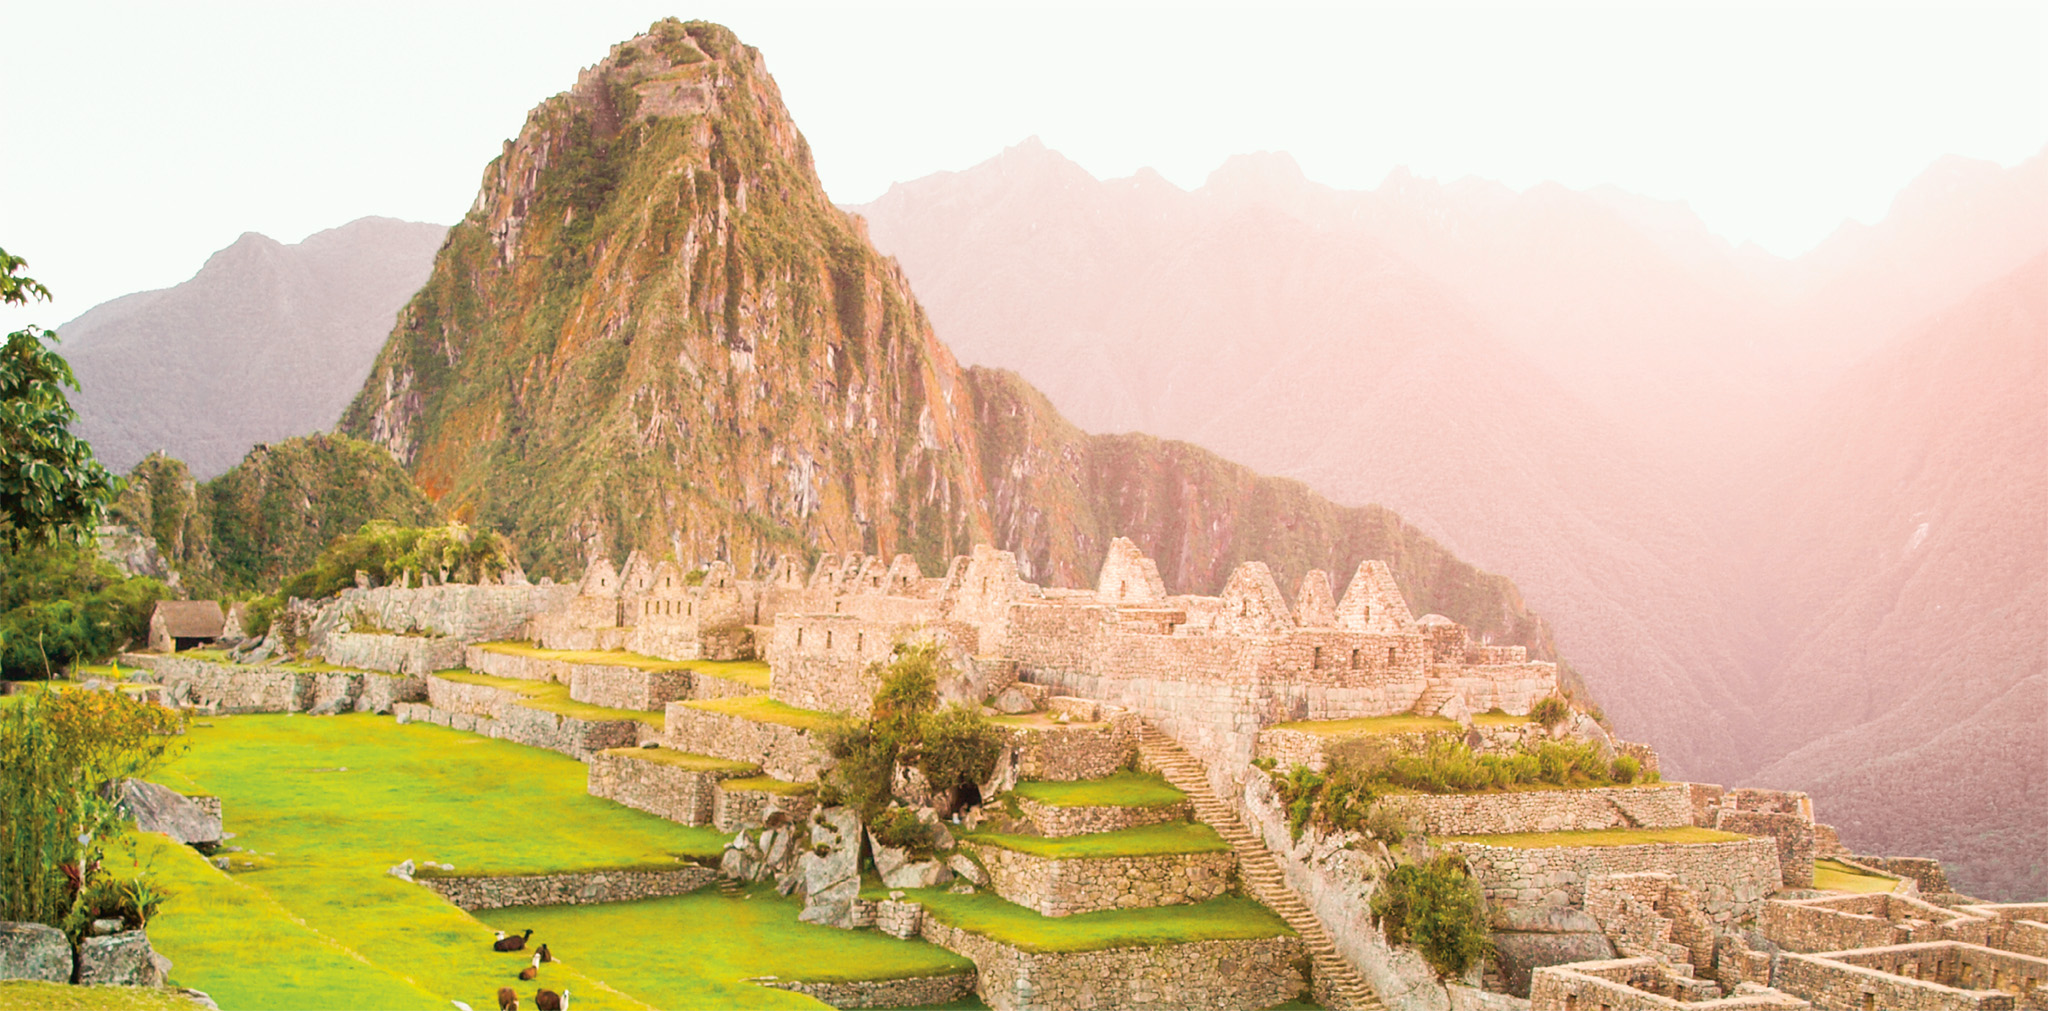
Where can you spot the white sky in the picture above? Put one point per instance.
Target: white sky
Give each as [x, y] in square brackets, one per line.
[135, 139]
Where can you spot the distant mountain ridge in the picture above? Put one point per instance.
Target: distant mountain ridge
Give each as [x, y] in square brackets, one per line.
[266, 342]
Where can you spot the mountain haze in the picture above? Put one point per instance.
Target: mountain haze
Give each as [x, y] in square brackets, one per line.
[266, 342]
[654, 330]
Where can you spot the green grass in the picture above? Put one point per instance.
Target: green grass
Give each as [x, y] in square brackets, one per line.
[769, 784]
[1496, 718]
[609, 657]
[1037, 721]
[1123, 789]
[23, 995]
[322, 838]
[752, 673]
[551, 697]
[698, 950]
[1403, 724]
[1836, 876]
[1146, 841]
[762, 709]
[685, 760]
[1601, 837]
[220, 656]
[110, 671]
[1228, 918]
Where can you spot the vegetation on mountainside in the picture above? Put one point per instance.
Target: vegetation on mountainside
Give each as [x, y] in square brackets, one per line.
[1363, 769]
[388, 553]
[1437, 907]
[269, 516]
[954, 748]
[51, 488]
[57, 751]
[61, 603]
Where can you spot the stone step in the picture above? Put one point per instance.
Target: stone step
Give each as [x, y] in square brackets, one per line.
[1260, 872]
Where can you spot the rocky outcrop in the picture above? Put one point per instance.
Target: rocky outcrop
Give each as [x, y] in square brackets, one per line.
[160, 809]
[34, 951]
[831, 868]
[123, 959]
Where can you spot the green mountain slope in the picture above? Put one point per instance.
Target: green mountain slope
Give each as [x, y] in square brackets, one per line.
[653, 328]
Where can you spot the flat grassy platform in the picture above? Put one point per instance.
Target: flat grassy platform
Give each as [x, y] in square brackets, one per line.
[753, 673]
[1496, 718]
[1227, 918]
[762, 709]
[1686, 835]
[769, 784]
[697, 950]
[1145, 841]
[1039, 721]
[1123, 789]
[23, 995]
[308, 666]
[609, 657]
[685, 760]
[550, 697]
[1836, 876]
[1402, 724]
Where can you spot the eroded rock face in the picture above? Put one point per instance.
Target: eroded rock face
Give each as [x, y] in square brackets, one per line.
[34, 951]
[1523, 952]
[831, 868]
[123, 959]
[158, 809]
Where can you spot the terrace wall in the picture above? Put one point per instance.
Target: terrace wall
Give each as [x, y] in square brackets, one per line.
[258, 688]
[470, 613]
[673, 792]
[1793, 832]
[785, 752]
[1943, 976]
[1633, 983]
[733, 810]
[574, 889]
[396, 654]
[1659, 806]
[918, 991]
[620, 687]
[1055, 822]
[1840, 922]
[1730, 878]
[1201, 974]
[1068, 752]
[1085, 885]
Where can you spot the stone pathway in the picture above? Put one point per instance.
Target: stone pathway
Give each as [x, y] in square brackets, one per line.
[1337, 984]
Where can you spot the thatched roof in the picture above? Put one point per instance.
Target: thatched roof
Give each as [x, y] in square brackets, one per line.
[189, 619]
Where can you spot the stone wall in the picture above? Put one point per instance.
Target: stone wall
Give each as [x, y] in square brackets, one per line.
[464, 697]
[257, 688]
[579, 739]
[1054, 821]
[1633, 984]
[1731, 878]
[1067, 752]
[1065, 887]
[1835, 923]
[1793, 832]
[616, 687]
[785, 752]
[579, 889]
[1923, 977]
[396, 654]
[917, 991]
[1203, 974]
[469, 613]
[711, 686]
[733, 810]
[631, 777]
[513, 665]
[1925, 871]
[1660, 806]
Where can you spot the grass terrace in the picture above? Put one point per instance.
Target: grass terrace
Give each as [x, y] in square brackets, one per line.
[769, 784]
[762, 709]
[21, 995]
[1685, 835]
[752, 673]
[1037, 721]
[1123, 789]
[1224, 919]
[1146, 841]
[685, 760]
[550, 697]
[1496, 718]
[1836, 876]
[306, 666]
[1401, 724]
[746, 672]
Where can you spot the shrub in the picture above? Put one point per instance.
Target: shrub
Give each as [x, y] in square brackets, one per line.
[1627, 769]
[61, 603]
[57, 749]
[899, 827]
[958, 748]
[954, 748]
[860, 775]
[387, 552]
[1551, 711]
[1436, 907]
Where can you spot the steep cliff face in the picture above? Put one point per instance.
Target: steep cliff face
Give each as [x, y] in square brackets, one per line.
[654, 329]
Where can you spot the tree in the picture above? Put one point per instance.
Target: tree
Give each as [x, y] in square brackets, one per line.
[50, 485]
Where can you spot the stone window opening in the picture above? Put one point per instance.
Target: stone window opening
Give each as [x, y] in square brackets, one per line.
[828, 639]
[1123, 588]
[799, 636]
[860, 641]
[1318, 661]
[1357, 659]
[1571, 1002]
[1869, 1001]
[1390, 656]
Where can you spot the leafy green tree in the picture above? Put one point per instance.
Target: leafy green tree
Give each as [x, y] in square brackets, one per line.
[50, 484]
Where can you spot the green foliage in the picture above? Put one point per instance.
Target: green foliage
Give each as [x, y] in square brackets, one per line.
[57, 749]
[1551, 711]
[1227, 918]
[388, 553]
[1128, 788]
[957, 748]
[61, 603]
[1162, 839]
[50, 485]
[1627, 769]
[1361, 770]
[862, 772]
[953, 748]
[1436, 907]
[900, 828]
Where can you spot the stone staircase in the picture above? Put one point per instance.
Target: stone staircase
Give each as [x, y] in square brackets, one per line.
[1433, 698]
[1337, 985]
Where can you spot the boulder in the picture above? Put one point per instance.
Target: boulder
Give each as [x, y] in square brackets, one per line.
[34, 951]
[899, 870]
[967, 869]
[158, 809]
[1521, 953]
[1012, 702]
[831, 868]
[123, 959]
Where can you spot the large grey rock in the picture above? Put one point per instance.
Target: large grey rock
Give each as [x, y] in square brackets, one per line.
[34, 951]
[1545, 920]
[831, 868]
[124, 959]
[1522, 953]
[159, 809]
[899, 870]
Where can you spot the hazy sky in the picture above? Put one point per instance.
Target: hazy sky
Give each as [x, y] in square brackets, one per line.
[138, 138]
